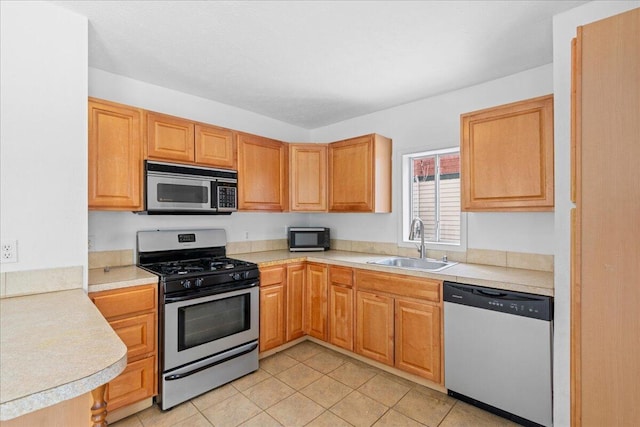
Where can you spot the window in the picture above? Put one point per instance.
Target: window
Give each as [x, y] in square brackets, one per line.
[433, 193]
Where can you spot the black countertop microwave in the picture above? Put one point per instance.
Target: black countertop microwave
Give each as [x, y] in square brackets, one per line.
[305, 239]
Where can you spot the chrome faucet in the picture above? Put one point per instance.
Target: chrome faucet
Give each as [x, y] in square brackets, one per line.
[412, 235]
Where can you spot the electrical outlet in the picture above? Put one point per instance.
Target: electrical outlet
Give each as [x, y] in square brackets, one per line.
[92, 242]
[246, 235]
[9, 251]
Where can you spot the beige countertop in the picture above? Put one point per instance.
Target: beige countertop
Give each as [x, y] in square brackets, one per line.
[514, 279]
[53, 347]
[119, 277]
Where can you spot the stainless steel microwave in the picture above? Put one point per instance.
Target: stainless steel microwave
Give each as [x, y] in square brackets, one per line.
[303, 239]
[184, 189]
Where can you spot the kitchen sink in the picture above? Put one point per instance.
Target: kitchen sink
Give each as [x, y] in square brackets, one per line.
[425, 264]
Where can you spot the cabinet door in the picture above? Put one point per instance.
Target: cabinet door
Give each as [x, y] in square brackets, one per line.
[360, 175]
[169, 138]
[115, 156]
[316, 299]
[137, 333]
[215, 146]
[507, 157]
[262, 174]
[418, 339]
[308, 177]
[295, 301]
[374, 327]
[272, 299]
[341, 316]
[135, 383]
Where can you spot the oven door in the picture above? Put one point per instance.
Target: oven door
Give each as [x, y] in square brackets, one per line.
[177, 193]
[199, 327]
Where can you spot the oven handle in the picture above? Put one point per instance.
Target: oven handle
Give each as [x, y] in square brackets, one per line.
[191, 296]
[217, 362]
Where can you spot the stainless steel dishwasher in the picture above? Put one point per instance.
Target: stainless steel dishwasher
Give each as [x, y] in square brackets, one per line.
[498, 351]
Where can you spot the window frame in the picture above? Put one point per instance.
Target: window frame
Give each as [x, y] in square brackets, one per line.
[407, 203]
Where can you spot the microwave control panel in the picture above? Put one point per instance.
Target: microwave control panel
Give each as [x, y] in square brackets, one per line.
[227, 197]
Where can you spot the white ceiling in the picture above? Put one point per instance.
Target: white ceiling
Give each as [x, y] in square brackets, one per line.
[313, 63]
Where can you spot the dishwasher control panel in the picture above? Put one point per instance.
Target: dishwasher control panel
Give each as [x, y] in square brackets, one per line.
[517, 303]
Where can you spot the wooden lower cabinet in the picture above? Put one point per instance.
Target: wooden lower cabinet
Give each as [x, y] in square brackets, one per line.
[341, 305]
[282, 304]
[399, 322]
[418, 339]
[135, 383]
[374, 330]
[272, 300]
[341, 316]
[132, 313]
[316, 301]
[296, 274]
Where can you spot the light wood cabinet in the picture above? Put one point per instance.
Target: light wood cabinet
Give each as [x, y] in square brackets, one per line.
[341, 307]
[507, 157]
[398, 322]
[296, 279]
[272, 306]
[316, 301]
[215, 146]
[282, 304]
[374, 326]
[179, 140]
[133, 315]
[605, 320]
[308, 177]
[360, 175]
[417, 339]
[262, 174]
[169, 138]
[115, 156]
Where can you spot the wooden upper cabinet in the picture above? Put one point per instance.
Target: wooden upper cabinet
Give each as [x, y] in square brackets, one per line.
[360, 175]
[507, 157]
[262, 173]
[215, 146]
[170, 138]
[179, 140]
[308, 177]
[115, 156]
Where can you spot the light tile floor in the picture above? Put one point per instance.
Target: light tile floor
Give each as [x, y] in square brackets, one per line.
[310, 385]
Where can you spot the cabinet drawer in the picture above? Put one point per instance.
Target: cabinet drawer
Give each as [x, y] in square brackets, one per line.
[272, 275]
[138, 334]
[341, 275]
[120, 303]
[135, 383]
[414, 287]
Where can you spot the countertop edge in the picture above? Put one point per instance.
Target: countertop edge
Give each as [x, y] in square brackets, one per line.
[40, 400]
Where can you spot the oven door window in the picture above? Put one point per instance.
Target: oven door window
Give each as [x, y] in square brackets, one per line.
[202, 323]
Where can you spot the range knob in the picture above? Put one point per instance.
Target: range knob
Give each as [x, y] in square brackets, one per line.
[186, 283]
[236, 276]
[199, 281]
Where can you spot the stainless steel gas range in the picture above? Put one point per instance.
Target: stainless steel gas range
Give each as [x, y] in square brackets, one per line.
[209, 311]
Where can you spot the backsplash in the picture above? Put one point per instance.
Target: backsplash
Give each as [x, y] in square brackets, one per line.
[523, 260]
[19, 283]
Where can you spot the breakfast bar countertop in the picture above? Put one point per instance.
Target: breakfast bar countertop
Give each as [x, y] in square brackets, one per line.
[53, 347]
